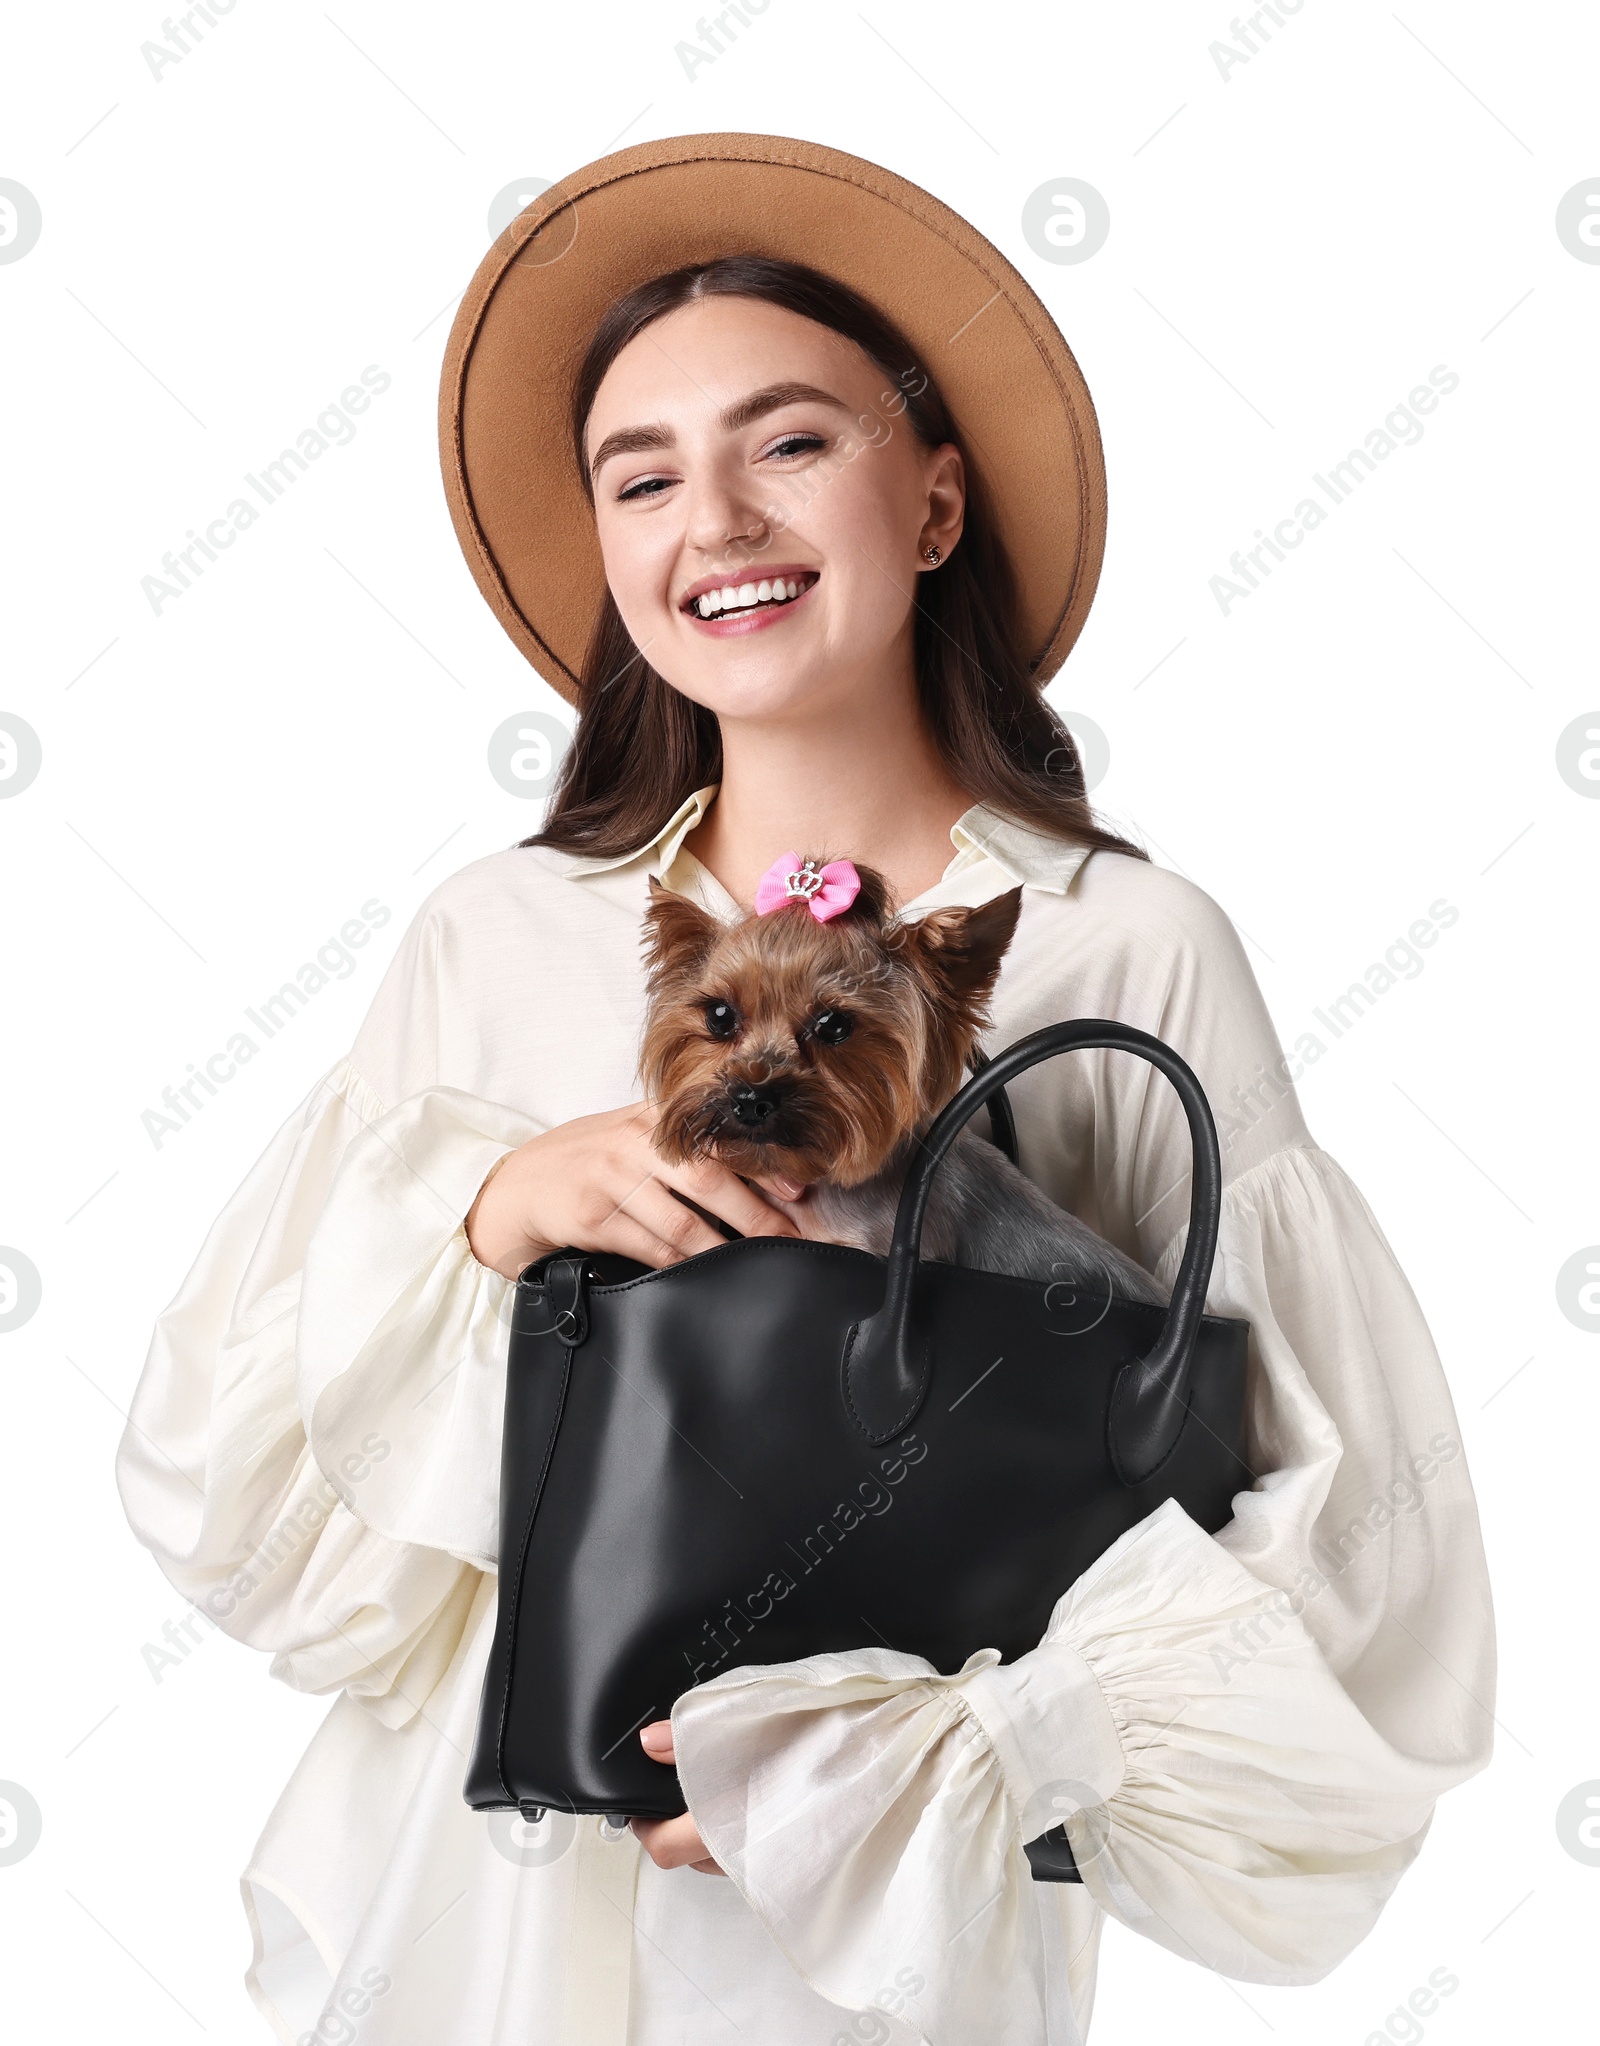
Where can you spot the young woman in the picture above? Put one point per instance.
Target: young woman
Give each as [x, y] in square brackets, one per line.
[1244, 1734]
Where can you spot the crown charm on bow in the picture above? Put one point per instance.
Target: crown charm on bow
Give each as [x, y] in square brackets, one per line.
[826, 891]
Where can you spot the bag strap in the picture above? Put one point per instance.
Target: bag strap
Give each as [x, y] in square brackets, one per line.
[885, 1363]
[1002, 1123]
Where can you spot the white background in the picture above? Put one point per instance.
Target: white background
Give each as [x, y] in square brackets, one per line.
[1292, 249]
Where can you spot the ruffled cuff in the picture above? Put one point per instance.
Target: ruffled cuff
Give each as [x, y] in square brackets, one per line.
[1222, 1793]
[1054, 1737]
[401, 1342]
[856, 1803]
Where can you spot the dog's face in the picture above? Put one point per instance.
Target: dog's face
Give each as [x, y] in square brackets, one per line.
[789, 1048]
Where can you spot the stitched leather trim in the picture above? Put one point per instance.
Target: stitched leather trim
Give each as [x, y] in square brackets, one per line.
[836, 1252]
[1120, 1399]
[510, 1616]
[914, 1406]
[846, 1253]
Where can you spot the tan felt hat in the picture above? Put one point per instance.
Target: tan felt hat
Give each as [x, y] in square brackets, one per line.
[1017, 396]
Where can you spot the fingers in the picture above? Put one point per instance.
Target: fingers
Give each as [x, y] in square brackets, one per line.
[714, 1186]
[656, 1740]
[670, 1843]
[598, 1182]
[674, 1843]
[627, 1238]
[728, 1197]
[625, 1208]
[678, 1231]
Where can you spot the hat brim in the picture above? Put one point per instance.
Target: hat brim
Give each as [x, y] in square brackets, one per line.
[1008, 377]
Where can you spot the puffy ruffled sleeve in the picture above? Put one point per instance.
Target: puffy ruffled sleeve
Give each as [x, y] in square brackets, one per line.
[313, 1448]
[1243, 1734]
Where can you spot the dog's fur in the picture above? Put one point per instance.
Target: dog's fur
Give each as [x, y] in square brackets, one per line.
[774, 1098]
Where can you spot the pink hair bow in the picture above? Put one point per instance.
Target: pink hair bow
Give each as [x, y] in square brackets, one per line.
[825, 891]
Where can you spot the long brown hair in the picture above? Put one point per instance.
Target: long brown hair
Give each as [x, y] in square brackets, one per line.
[641, 748]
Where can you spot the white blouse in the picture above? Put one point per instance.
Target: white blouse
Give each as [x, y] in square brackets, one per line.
[1244, 1733]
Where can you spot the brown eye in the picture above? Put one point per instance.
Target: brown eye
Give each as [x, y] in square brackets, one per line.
[722, 1019]
[833, 1026]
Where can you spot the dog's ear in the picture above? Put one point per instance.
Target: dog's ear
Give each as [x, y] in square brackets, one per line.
[961, 949]
[677, 932]
[873, 899]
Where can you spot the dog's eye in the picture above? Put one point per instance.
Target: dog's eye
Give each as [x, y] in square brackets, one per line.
[833, 1026]
[722, 1019]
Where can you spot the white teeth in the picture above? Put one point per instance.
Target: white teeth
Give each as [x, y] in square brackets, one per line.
[728, 598]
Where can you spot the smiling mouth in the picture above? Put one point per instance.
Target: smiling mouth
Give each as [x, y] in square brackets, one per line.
[733, 600]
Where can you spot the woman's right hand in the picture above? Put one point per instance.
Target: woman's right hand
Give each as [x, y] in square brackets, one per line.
[599, 1183]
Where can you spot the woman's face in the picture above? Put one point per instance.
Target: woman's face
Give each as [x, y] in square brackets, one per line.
[763, 508]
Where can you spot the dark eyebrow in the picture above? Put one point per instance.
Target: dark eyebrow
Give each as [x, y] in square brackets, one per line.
[629, 440]
[743, 410]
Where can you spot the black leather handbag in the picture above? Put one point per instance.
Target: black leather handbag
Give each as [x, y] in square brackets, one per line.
[780, 1448]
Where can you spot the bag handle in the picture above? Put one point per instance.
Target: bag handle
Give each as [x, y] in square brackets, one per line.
[1002, 1123]
[885, 1364]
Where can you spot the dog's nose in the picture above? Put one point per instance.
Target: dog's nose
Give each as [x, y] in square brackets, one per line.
[753, 1106]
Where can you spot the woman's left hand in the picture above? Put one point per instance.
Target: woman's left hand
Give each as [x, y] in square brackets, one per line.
[670, 1843]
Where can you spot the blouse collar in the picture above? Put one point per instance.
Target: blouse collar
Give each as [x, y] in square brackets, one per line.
[991, 852]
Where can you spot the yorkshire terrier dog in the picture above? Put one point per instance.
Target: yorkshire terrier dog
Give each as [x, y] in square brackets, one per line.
[815, 1040]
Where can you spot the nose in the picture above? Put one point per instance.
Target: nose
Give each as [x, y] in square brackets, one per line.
[723, 525]
[752, 1105]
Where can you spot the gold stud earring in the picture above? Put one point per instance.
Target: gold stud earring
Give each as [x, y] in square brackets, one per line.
[932, 556]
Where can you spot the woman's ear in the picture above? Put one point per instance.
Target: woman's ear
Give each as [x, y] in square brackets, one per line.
[946, 477]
